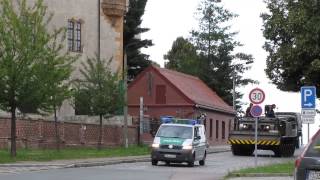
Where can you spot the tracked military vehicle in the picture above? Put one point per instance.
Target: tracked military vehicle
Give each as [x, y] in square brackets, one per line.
[280, 134]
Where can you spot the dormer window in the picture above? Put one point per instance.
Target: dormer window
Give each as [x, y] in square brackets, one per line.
[74, 35]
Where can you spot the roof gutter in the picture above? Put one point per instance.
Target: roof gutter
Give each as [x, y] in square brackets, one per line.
[215, 109]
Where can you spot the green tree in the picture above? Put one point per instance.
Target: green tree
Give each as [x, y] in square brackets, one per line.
[132, 41]
[101, 89]
[183, 57]
[215, 46]
[57, 83]
[26, 48]
[292, 32]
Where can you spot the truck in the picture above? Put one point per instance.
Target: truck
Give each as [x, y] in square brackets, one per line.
[280, 134]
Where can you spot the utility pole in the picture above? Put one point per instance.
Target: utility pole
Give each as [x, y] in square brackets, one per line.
[233, 91]
[125, 86]
[125, 106]
[141, 120]
[99, 30]
[99, 57]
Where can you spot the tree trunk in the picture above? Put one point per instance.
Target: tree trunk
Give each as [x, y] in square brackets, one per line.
[138, 133]
[13, 150]
[56, 128]
[100, 133]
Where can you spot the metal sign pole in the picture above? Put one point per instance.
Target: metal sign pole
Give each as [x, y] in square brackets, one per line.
[308, 133]
[256, 97]
[256, 143]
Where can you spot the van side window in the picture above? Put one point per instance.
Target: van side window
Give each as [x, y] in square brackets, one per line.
[196, 132]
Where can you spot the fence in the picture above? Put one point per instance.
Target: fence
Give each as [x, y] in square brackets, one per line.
[41, 134]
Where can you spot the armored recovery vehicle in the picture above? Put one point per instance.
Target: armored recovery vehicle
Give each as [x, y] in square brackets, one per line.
[281, 134]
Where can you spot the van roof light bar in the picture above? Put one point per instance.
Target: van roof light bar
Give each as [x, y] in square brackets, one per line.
[172, 120]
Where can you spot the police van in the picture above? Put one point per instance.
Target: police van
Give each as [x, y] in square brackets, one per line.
[178, 141]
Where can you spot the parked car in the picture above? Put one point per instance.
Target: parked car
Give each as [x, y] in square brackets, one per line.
[307, 165]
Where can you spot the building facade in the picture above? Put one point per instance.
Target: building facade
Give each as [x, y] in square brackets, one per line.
[80, 17]
[167, 92]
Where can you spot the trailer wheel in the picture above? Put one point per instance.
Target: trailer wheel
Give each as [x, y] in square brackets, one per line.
[284, 150]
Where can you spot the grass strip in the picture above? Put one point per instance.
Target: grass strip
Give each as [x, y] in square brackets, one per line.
[280, 168]
[71, 153]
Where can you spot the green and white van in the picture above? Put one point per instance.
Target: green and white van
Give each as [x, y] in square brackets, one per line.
[178, 141]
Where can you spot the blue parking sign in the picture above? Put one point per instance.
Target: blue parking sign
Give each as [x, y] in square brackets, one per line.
[308, 97]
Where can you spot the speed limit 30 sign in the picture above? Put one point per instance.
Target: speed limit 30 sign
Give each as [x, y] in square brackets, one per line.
[256, 96]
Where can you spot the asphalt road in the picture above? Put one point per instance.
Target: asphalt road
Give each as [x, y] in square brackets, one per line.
[217, 165]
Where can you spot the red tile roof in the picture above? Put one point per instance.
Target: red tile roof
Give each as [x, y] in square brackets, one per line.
[196, 90]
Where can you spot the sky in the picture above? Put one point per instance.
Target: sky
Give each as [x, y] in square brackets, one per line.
[169, 19]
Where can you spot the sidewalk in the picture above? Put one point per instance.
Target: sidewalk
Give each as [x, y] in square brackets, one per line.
[75, 163]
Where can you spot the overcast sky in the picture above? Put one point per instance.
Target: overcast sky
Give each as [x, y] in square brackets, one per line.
[169, 19]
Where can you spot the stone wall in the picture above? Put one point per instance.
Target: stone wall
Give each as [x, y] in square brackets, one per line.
[41, 134]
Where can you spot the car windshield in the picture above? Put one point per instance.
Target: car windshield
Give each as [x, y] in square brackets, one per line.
[175, 132]
[314, 148]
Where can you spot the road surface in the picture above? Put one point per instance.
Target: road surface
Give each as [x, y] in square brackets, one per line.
[217, 165]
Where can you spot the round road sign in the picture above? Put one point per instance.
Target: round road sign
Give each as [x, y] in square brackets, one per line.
[256, 96]
[256, 111]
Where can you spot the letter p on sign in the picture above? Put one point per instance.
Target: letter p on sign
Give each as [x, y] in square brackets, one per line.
[308, 97]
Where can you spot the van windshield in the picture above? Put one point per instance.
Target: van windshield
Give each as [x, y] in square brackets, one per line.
[175, 132]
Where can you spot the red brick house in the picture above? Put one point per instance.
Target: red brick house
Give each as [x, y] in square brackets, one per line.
[167, 92]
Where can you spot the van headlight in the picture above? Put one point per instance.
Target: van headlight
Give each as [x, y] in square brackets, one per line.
[155, 145]
[187, 147]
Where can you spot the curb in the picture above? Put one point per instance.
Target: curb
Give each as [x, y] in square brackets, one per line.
[233, 175]
[30, 165]
[105, 163]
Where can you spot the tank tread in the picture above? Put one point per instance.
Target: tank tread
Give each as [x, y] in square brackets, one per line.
[284, 150]
[242, 150]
